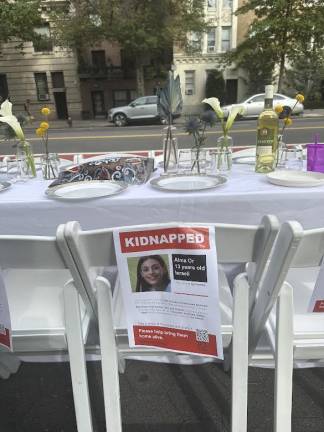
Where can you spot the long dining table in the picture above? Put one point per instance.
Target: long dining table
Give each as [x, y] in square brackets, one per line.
[244, 199]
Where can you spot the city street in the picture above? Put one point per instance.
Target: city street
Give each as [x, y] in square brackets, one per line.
[101, 138]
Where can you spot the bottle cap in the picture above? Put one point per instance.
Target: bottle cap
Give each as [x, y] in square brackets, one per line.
[269, 92]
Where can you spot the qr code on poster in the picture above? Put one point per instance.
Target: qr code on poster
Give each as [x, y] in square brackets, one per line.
[202, 336]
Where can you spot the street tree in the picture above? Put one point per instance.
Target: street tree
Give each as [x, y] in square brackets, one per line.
[144, 29]
[277, 33]
[18, 20]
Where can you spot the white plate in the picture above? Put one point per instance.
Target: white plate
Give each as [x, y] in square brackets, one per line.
[296, 178]
[187, 183]
[86, 189]
[4, 185]
[246, 156]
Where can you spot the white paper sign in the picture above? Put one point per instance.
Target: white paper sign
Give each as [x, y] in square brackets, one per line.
[170, 288]
[316, 303]
[5, 324]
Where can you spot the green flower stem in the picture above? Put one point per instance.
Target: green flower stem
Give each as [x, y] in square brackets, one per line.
[29, 157]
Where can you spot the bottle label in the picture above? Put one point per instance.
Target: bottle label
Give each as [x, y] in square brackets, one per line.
[265, 137]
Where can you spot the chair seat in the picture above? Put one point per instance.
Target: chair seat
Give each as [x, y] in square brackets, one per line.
[39, 326]
[308, 327]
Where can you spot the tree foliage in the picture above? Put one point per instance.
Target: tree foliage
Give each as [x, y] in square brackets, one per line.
[144, 29]
[18, 19]
[277, 35]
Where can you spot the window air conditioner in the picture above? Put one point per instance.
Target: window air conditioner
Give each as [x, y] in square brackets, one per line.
[43, 96]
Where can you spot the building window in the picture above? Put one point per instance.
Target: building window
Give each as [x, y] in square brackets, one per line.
[44, 41]
[99, 58]
[211, 40]
[228, 4]
[226, 38]
[41, 86]
[211, 4]
[189, 82]
[123, 97]
[57, 79]
[195, 41]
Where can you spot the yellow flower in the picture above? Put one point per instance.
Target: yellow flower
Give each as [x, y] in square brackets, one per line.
[278, 109]
[45, 111]
[299, 97]
[40, 132]
[287, 121]
[44, 125]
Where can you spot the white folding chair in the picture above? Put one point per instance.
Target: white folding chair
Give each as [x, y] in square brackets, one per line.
[36, 278]
[90, 252]
[295, 337]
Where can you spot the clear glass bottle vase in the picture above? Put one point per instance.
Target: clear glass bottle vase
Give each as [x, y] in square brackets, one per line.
[170, 150]
[198, 161]
[25, 161]
[223, 154]
[50, 166]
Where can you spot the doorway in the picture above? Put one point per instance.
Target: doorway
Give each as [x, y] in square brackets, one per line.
[231, 91]
[61, 105]
[3, 87]
[98, 103]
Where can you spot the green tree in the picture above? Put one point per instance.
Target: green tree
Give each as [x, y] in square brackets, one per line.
[18, 19]
[276, 35]
[144, 29]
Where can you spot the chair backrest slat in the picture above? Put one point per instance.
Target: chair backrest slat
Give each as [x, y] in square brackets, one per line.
[30, 252]
[285, 248]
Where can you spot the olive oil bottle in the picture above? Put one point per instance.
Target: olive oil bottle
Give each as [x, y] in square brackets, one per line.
[267, 135]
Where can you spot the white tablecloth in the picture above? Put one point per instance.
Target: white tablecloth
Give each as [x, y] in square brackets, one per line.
[245, 198]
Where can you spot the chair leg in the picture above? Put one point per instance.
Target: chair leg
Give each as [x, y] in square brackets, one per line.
[9, 364]
[240, 355]
[77, 359]
[284, 360]
[109, 357]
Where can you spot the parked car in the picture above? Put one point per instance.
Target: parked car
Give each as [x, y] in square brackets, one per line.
[254, 105]
[143, 108]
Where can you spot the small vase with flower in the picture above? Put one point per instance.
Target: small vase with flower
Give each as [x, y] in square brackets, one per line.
[49, 161]
[223, 153]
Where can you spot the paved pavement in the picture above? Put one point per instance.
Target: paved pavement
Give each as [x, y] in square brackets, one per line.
[95, 123]
[155, 398]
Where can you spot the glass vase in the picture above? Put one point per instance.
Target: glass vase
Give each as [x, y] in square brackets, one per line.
[25, 160]
[170, 150]
[50, 166]
[198, 161]
[223, 154]
[282, 147]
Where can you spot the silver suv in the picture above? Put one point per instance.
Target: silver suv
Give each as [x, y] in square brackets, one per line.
[143, 108]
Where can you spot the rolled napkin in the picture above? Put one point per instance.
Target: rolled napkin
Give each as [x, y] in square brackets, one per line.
[130, 169]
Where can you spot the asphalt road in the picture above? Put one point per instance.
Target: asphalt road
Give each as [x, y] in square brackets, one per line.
[149, 137]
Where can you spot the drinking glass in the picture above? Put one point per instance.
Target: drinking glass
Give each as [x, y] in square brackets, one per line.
[16, 168]
[184, 162]
[291, 158]
[315, 157]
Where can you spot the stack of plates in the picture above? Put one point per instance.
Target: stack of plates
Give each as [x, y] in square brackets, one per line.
[296, 178]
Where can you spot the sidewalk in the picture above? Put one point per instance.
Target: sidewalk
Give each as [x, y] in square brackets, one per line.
[98, 123]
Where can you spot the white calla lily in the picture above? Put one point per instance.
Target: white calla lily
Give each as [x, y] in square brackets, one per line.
[232, 116]
[215, 104]
[7, 117]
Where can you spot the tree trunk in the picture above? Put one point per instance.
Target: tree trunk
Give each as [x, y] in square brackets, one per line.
[140, 78]
[281, 71]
